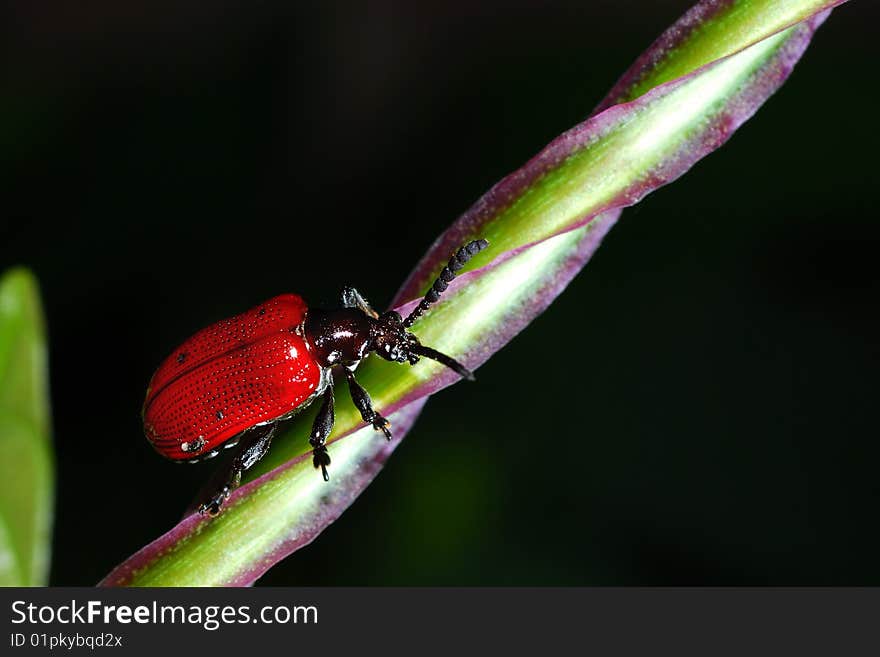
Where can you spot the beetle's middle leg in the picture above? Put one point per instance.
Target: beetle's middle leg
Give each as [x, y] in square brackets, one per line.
[251, 449]
[321, 429]
[364, 404]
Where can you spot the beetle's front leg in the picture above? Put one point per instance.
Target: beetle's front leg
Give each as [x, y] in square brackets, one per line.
[250, 450]
[351, 298]
[364, 404]
[321, 429]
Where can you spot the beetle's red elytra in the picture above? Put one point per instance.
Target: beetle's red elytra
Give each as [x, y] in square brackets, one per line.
[230, 384]
[229, 377]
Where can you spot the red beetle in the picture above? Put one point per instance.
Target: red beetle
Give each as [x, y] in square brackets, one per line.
[230, 384]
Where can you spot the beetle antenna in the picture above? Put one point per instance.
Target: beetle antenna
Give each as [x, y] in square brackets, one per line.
[456, 262]
[450, 362]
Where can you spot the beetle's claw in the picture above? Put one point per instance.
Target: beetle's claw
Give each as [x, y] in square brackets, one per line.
[211, 508]
[321, 459]
[381, 424]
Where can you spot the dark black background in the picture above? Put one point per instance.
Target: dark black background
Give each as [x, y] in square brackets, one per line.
[164, 165]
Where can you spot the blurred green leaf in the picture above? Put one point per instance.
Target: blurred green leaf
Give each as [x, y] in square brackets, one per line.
[10, 575]
[26, 462]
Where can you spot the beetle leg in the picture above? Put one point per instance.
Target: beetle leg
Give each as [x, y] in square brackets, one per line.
[250, 450]
[351, 298]
[364, 404]
[321, 428]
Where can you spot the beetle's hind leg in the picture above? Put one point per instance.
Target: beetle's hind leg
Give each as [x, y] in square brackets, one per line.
[364, 404]
[252, 446]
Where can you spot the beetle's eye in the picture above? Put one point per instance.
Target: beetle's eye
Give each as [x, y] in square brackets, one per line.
[392, 316]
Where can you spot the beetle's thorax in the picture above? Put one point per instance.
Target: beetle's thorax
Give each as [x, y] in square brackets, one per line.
[344, 336]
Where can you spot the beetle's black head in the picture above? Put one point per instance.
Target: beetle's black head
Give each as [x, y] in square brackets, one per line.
[393, 342]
